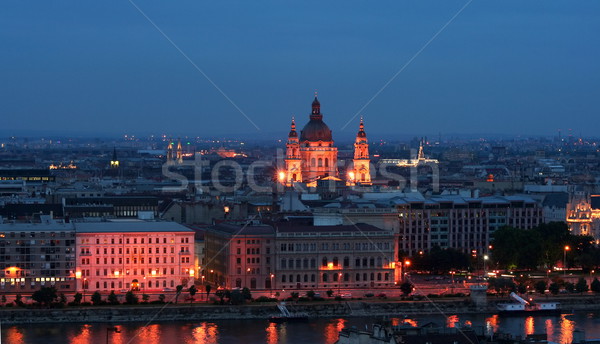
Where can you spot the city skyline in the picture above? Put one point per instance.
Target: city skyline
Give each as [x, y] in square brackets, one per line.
[463, 68]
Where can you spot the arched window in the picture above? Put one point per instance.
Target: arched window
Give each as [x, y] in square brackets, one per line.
[305, 265]
[365, 261]
[379, 276]
[305, 278]
[238, 283]
[312, 278]
[335, 261]
[335, 277]
[326, 162]
[291, 263]
[364, 276]
[283, 278]
[379, 261]
[372, 276]
[298, 278]
[372, 261]
[324, 261]
[346, 262]
[320, 162]
[357, 263]
[387, 276]
[357, 277]
[346, 277]
[324, 277]
[313, 162]
[313, 263]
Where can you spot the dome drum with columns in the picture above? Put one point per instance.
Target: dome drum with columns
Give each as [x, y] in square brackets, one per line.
[312, 156]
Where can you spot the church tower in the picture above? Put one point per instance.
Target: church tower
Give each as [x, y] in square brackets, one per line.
[170, 151]
[293, 161]
[179, 152]
[360, 172]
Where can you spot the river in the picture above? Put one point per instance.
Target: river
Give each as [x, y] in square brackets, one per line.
[558, 328]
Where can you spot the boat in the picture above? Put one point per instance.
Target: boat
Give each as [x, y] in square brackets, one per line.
[524, 307]
[287, 316]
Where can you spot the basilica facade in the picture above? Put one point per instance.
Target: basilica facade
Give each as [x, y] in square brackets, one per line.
[312, 155]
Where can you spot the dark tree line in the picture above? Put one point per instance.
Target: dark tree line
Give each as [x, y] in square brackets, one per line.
[543, 247]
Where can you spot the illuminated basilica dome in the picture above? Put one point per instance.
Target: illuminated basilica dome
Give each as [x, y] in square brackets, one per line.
[316, 130]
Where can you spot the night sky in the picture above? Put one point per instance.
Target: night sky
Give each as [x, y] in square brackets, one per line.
[100, 67]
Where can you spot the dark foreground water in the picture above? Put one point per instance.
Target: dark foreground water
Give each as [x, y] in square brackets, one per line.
[558, 328]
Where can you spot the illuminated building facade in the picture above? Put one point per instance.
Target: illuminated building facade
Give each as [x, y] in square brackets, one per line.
[241, 255]
[138, 255]
[360, 172]
[295, 256]
[34, 255]
[311, 156]
[583, 214]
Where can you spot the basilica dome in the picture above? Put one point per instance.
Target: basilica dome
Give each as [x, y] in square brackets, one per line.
[316, 129]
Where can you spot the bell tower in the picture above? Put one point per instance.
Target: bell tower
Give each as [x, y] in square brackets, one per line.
[360, 172]
[293, 160]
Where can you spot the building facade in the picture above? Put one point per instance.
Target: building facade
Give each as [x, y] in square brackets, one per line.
[134, 255]
[34, 255]
[344, 256]
[295, 256]
[466, 224]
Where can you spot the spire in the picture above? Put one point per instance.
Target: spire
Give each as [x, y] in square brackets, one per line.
[316, 106]
[293, 132]
[114, 154]
[361, 129]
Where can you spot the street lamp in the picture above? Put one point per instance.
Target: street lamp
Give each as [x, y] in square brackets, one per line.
[272, 275]
[339, 284]
[406, 265]
[84, 288]
[565, 260]
[485, 258]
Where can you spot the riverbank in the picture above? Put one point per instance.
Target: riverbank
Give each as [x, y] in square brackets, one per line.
[204, 312]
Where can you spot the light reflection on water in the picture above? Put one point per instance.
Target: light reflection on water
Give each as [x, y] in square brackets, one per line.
[559, 329]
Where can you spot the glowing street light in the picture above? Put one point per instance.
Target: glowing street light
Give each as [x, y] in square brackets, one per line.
[567, 248]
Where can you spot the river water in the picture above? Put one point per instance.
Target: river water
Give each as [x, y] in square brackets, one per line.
[558, 328]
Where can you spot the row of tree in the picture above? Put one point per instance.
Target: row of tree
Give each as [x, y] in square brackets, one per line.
[522, 286]
[543, 247]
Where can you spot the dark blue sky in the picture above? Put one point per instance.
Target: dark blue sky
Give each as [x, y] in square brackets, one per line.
[99, 67]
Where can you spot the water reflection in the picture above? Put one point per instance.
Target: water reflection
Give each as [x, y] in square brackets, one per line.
[559, 329]
[529, 326]
[272, 335]
[14, 335]
[332, 330]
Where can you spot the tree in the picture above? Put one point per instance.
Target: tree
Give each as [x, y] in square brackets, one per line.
[45, 296]
[161, 298]
[406, 288]
[246, 294]
[329, 293]
[220, 293]
[131, 298]
[570, 287]
[540, 286]
[595, 285]
[112, 298]
[77, 298]
[554, 288]
[145, 298]
[192, 290]
[581, 286]
[207, 288]
[310, 294]
[236, 297]
[62, 298]
[3, 299]
[96, 298]
[179, 288]
[19, 300]
[522, 288]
